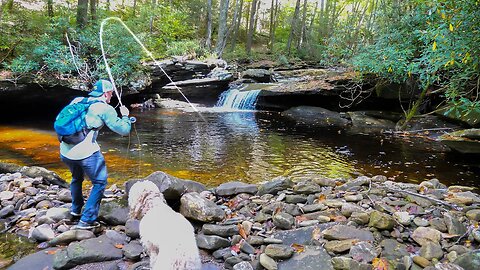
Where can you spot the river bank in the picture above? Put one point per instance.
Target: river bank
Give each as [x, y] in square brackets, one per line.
[362, 223]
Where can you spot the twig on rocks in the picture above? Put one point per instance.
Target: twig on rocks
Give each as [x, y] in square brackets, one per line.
[453, 206]
[469, 230]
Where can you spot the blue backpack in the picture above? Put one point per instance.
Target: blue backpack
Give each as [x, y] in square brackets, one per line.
[70, 123]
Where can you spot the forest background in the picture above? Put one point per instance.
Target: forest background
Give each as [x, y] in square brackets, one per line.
[433, 45]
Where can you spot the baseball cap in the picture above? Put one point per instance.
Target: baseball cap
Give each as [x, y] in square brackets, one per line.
[100, 87]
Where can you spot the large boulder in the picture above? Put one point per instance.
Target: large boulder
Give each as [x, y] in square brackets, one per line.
[258, 75]
[316, 116]
[171, 187]
[196, 207]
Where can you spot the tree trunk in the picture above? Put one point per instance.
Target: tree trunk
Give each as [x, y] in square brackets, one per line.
[237, 17]
[50, 8]
[247, 18]
[257, 13]
[312, 20]
[82, 13]
[251, 27]
[222, 28]
[93, 10]
[208, 40]
[134, 7]
[272, 30]
[303, 26]
[293, 26]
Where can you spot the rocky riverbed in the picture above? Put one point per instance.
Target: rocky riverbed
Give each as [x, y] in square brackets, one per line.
[314, 223]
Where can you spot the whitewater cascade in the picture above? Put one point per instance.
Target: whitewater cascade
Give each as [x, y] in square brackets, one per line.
[238, 99]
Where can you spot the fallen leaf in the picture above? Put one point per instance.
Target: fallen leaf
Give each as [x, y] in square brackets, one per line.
[51, 252]
[380, 264]
[300, 218]
[316, 234]
[322, 197]
[241, 231]
[118, 246]
[277, 210]
[298, 248]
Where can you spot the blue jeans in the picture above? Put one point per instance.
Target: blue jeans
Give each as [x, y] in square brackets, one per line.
[96, 170]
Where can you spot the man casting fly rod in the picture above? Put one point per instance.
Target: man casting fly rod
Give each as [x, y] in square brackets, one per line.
[77, 127]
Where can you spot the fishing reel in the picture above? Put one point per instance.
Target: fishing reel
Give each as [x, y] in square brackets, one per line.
[132, 119]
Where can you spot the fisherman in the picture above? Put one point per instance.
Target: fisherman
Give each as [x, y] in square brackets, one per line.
[85, 157]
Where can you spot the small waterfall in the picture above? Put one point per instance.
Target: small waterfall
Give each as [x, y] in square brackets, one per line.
[235, 98]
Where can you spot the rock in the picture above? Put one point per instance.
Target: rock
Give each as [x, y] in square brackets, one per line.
[363, 252]
[465, 198]
[198, 208]
[279, 252]
[43, 233]
[233, 188]
[360, 181]
[393, 250]
[311, 258]
[349, 208]
[447, 266]
[360, 218]
[344, 263]
[403, 218]
[132, 250]
[454, 226]
[469, 260]
[431, 251]
[45, 204]
[132, 228]
[65, 195]
[113, 213]
[255, 240]
[343, 232]
[274, 186]
[438, 224]
[420, 222]
[87, 251]
[71, 236]
[6, 195]
[316, 117]
[268, 262]
[295, 198]
[353, 198]
[283, 221]
[6, 211]
[243, 266]
[306, 188]
[172, 187]
[31, 191]
[247, 248]
[259, 75]
[220, 230]
[361, 122]
[423, 235]
[211, 242]
[307, 223]
[473, 214]
[58, 214]
[381, 221]
[325, 182]
[47, 176]
[421, 261]
[313, 207]
[37, 261]
[339, 246]
[323, 219]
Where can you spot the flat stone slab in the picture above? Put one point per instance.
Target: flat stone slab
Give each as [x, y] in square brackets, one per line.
[313, 257]
[302, 236]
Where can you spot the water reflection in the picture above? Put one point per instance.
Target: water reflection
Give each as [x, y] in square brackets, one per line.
[245, 146]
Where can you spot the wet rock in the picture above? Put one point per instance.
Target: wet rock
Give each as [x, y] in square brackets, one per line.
[40, 260]
[6, 211]
[198, 208]
[469, 260]
[279, 252]
[211, 242]
[316, 116]
[268, 262]
[275, 185]
[307, 223]
[113, 213]
[283, 221]
[71, 236]
[362, 180]
[233, 188]
[220, 230]
[310, 258]
[43, 233]
[423, 235]
[343, 232]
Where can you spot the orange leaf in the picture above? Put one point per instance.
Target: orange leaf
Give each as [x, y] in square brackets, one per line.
[322, 197]
[380, 264]
[241, 231]
[317, 234]
[51, 252]
[300, 218]
[298, 248]
[118, 246]
[277, 210]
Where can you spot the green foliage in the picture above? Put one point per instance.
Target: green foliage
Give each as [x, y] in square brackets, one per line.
[186, 47]
[21, 65]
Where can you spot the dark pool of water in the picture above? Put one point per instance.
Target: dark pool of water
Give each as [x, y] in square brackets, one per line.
[253, 147]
